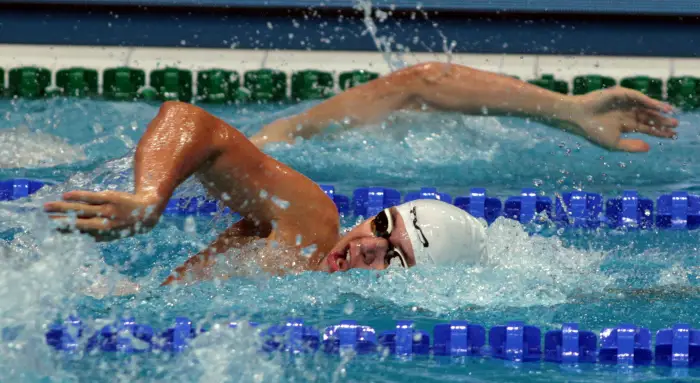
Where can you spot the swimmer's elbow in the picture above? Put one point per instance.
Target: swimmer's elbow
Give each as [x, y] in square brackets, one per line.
[182, 110]
[174, 107]
[278, 131]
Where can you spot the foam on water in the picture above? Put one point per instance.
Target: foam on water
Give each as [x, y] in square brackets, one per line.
[522, 271]
[22, 148]
[45, 275]
[41, 278]
[226, 355]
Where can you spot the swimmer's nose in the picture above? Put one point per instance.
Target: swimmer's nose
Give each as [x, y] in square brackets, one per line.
[373, 249]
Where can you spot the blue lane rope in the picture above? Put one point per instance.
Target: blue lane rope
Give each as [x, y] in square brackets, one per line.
[626, 344]
[676, 211]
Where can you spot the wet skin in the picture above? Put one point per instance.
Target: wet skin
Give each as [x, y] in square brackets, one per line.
[184, 140]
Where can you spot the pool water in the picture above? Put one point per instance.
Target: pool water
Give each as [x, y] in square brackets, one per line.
[545, 279]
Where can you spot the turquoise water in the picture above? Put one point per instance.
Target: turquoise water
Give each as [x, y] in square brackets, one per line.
[544, 280]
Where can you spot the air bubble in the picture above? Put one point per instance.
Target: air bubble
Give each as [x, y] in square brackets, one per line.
[349, 308]
[282, 204]
[190, 225]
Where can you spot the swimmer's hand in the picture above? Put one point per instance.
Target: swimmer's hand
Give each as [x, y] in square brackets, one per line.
[105, 215]
[603, 116]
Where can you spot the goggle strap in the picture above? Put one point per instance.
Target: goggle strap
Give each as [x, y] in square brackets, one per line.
[389, 222]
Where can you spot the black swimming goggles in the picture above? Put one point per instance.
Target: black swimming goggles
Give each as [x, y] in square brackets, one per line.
[382, 226]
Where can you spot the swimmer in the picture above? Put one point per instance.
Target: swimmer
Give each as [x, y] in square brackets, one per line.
[184, 140]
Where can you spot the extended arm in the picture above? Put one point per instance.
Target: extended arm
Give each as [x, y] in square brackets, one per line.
[600, 116]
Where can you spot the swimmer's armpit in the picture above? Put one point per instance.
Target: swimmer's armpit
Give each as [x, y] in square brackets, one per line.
[202, 265]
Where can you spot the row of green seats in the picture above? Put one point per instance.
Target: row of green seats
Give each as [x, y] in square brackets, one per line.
[682, 91]
[213, 86]
[266, 85]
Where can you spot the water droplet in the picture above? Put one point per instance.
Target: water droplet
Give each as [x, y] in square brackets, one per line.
[622, 164]
[298, 239]
[190, 225]
[349, 308]
[309, 250]
[282, 204]
[225, 197]
[263, 193]
[537, 182]
[647, 212]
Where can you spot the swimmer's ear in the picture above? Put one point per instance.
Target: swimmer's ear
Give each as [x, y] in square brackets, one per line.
[633, 146]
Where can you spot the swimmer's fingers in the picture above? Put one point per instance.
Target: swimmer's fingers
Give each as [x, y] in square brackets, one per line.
[639, 126]
[636, 98]
[80, 209]
[95, 198]
[647, 122]
[656, 132]
[632, 145]
[654, 123]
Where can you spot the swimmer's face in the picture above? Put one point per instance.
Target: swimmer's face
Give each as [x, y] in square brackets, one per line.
[362, 249]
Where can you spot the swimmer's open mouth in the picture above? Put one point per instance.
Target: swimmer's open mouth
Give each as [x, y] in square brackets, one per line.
[339, 260]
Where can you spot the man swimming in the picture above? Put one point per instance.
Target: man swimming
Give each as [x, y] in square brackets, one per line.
[184, 140]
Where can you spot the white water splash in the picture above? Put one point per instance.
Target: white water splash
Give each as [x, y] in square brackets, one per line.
[393, 59]
[41, 280]
[386, 44]
[22, 148]
[521, 271]
[231, 355]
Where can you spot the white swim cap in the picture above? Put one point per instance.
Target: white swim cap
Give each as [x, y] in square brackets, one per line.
[443, 233]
